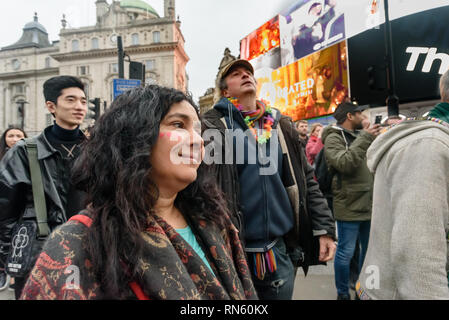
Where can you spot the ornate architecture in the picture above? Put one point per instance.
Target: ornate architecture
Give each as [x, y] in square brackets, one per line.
[207, 101]
[91, 54]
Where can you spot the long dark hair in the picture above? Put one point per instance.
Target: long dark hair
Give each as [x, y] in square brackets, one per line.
[114, 169]
[3, 146]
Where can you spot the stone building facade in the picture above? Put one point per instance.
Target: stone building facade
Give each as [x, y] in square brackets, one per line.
[210, 97]
[90, 53]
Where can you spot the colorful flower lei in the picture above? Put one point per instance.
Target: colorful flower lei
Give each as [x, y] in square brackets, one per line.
[251, 117]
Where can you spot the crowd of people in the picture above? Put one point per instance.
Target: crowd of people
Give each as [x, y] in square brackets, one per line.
[148, 206]
[389, 198]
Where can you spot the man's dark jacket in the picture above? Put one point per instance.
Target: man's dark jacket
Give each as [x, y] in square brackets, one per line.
[16, 196]
[312, 215]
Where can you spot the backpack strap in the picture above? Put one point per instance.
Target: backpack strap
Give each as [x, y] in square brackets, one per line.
[138, 291]
[38, 188]
[87, 221]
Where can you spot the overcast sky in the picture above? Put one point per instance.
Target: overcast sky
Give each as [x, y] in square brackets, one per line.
[209, 26]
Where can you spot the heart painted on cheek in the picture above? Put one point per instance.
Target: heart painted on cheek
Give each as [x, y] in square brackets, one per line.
[165, 134]
[172, 136]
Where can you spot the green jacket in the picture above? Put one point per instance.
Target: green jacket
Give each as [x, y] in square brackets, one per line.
[352, 185]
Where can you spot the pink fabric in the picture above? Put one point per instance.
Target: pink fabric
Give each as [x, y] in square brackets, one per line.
[313, 147]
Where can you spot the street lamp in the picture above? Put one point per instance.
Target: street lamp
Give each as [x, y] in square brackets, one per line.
[21, 108]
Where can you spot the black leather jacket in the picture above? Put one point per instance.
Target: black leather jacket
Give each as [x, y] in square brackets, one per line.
[16, 196]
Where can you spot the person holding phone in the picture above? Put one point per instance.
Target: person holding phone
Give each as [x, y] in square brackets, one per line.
[345, 147]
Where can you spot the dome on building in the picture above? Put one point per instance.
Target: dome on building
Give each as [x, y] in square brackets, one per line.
[35, 25]
[138, 4]
[34, 35]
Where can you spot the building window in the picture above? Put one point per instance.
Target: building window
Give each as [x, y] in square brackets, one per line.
[75, 45]
[95, 44]
[83, 70]
[113, 68]
[47, 62]
[156, 37]
[135, 39]
[150, 65]
[18, 88]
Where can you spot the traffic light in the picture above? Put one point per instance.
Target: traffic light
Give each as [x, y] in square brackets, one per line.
[95, 109]
[376, 78]
[136, 70]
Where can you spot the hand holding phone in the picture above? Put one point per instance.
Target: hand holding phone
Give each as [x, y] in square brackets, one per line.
[378, 119]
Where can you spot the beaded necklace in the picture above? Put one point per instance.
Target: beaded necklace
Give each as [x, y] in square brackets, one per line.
[263, 112]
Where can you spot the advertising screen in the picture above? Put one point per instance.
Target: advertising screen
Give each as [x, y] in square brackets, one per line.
[310, 87]
[316, 52]
[310, 26]
[420, 53]
[264, 65]
[261, 41]
[362, 15]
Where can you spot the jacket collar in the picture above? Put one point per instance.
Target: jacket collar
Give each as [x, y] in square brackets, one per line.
[227, 109]
[352, 133]
[44, 148]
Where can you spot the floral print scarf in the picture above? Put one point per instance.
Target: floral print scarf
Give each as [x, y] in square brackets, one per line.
[169, 268]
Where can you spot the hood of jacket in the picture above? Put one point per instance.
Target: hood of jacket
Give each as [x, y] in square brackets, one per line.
[385, 141]
[335, 129]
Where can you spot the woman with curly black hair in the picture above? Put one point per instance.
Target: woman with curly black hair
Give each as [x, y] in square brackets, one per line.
[156, 227]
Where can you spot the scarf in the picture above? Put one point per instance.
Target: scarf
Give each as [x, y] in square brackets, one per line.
[188, 278]
[441, 111]
[262, 114]
[169, 268]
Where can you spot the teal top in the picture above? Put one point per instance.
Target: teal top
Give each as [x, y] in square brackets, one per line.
[187, 235]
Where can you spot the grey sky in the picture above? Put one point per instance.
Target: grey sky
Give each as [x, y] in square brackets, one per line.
[209, 26]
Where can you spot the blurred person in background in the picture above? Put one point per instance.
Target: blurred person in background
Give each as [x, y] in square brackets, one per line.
[302, 127]
[7, 141]
[315, 144]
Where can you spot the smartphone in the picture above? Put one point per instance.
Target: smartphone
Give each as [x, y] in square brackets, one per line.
[378, 119]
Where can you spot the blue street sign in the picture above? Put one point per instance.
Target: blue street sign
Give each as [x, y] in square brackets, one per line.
[122, 85]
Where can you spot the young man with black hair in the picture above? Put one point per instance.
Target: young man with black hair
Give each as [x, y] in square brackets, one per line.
[57, 148]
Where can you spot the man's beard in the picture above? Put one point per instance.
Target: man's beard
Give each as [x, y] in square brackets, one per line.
[358, 126]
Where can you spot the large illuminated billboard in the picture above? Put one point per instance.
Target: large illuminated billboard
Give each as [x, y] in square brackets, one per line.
[310, 26]
[316, 52]
[261, 40]
[310, 87]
